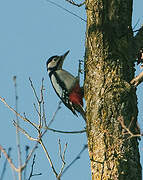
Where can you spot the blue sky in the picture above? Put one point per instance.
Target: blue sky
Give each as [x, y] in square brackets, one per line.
[31, 32]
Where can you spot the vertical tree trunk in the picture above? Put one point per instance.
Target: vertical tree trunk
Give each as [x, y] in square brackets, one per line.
[109, 67]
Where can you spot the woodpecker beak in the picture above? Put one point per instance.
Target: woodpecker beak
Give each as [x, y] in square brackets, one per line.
[64, 55]
[62, 58]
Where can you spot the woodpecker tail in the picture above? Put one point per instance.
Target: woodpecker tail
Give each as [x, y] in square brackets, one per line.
[80, 109]
[82, 112]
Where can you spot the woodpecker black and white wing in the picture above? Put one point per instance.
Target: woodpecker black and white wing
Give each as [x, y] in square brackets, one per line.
[62, 83]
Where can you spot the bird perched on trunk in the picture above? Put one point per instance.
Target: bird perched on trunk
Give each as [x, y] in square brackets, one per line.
[65, 85]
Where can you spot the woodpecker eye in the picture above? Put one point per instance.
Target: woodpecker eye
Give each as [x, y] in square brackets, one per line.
[55, 59]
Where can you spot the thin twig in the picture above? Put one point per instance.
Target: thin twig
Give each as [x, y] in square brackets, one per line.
[75, 4]
[4, 166]
[43, 146]
[76, 158]
[23, 118]
[17, 130]
[30, 154]
[8, 159]
[43, 104]
[40, 113]
[32, 169]
[44, 117]
[121, 120]
[34, 91]
[62, 156]
[137, 80]
[26, 155]
[36, 109]
[137, 42]
[39, 101]
[11, 163]
[55, 113]
[40, 134]
[66, 132]
[42, 88]
[48, 157]
[24, 132]
[137, 30]
[136, 23]
[66, 10]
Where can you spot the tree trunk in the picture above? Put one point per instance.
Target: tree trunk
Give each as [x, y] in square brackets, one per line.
[110, 99]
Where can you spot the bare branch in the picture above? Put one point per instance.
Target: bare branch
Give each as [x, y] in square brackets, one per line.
[43, 104]
[52, 2]
[139, 34]
[121, 120]
[62, 156]
[34, 91]
[136, 23]
[39, 101]
[26, 155]
[8, 159]
[5, 163]
[24, 132]
[76, 158]
[36, 109]
[48, 157]
[65, 132]
[75, 4]
[30, 155]
[58, 108]
[20, 169]
[38, 140]
[43, 116]
[32, 168]
[23, 118]
[17, 130]
[137, 80]
[137, 43]
[42, 88]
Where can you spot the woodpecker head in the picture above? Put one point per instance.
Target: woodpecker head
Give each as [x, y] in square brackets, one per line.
[56, 62]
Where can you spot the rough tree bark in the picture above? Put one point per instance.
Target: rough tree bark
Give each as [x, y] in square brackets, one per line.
[109, 68]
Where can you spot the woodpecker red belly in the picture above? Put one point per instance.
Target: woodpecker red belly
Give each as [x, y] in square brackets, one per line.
[76, 95]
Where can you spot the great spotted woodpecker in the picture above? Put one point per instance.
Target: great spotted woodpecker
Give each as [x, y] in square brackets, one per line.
[65, 84]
